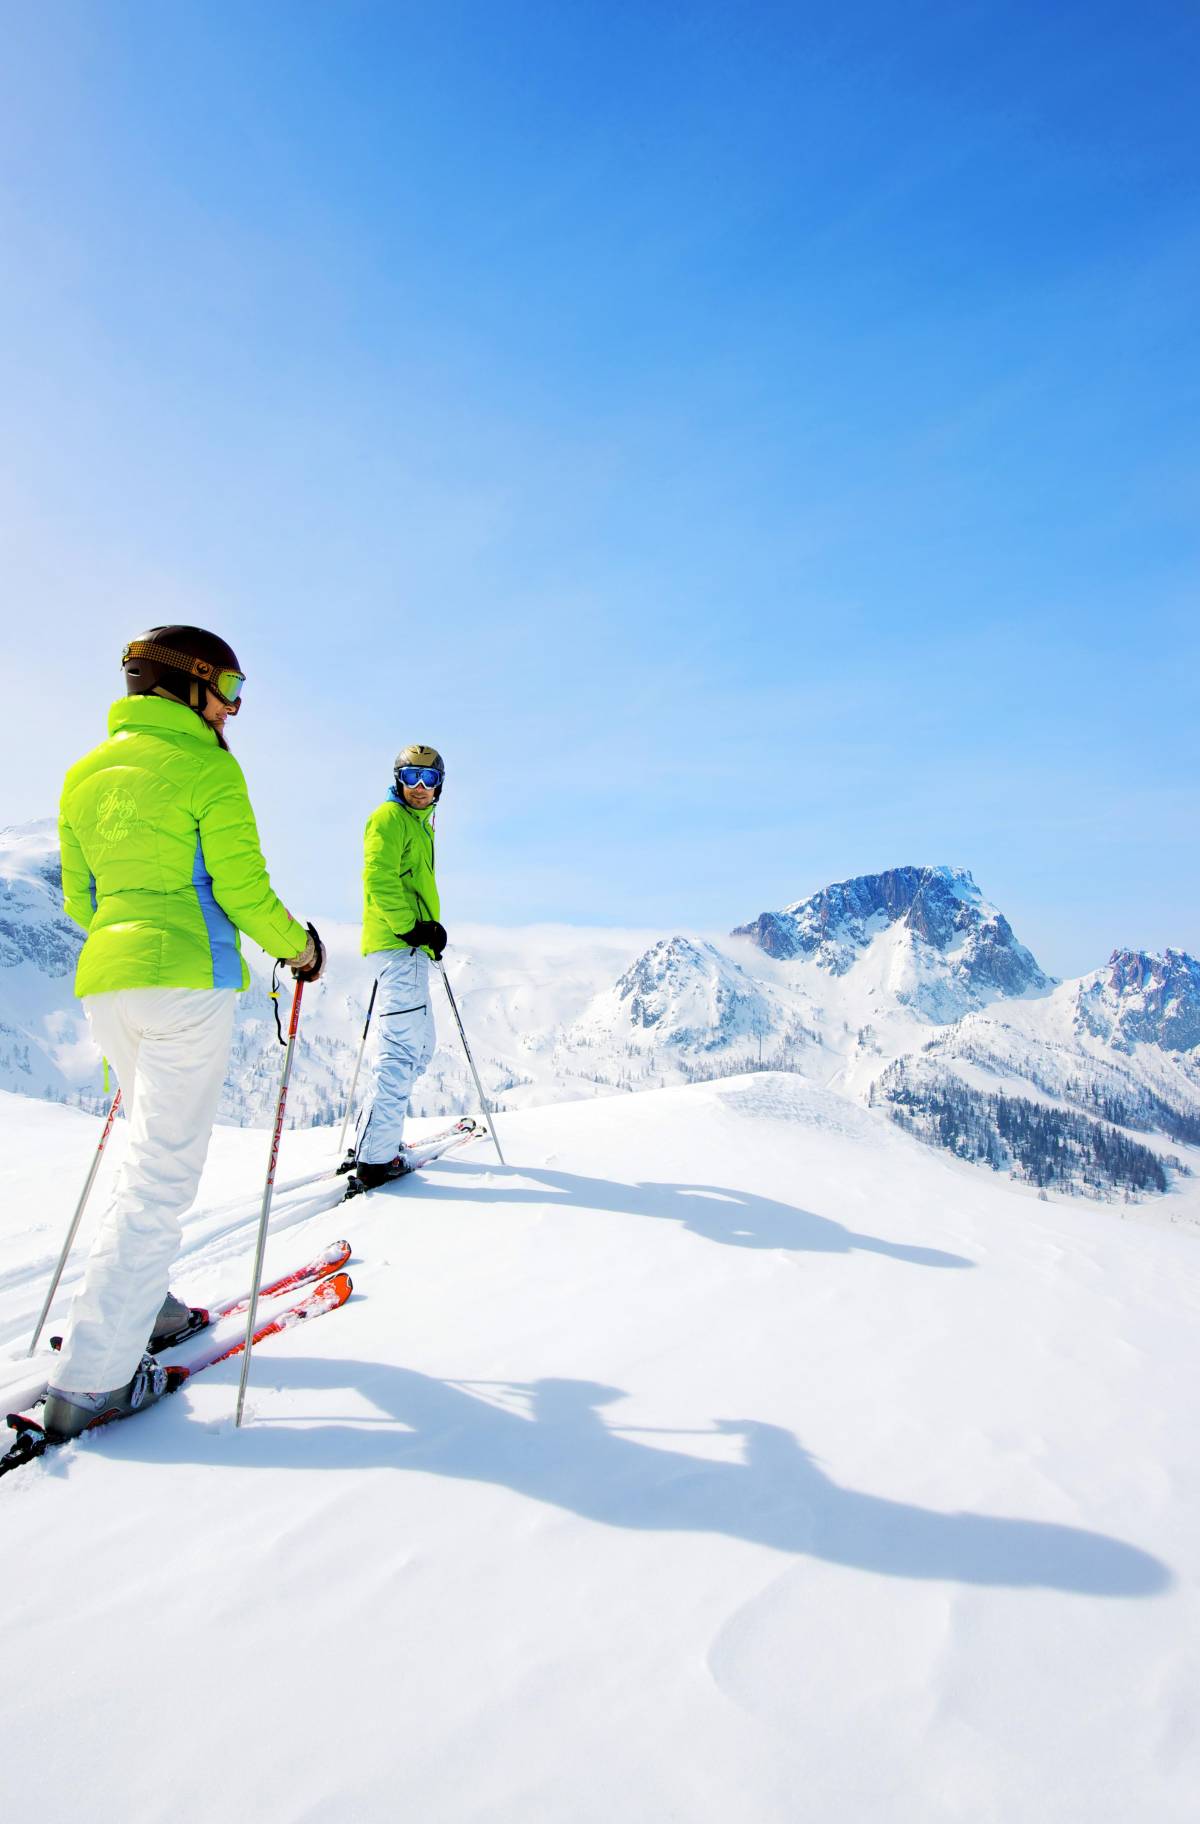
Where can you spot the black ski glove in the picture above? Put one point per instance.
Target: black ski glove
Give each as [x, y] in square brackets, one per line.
[427, 931]
[310, 963]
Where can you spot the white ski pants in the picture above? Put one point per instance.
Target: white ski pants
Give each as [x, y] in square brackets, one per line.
[170, 1048]
[404, 1040]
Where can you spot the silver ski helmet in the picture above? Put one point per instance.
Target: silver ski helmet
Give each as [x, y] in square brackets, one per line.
[186, 661]
[417, 755]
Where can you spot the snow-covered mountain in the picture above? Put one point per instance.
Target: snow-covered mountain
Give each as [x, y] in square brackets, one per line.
[1091, 1083]
[685, 995]
[945, 950]
[44, 1048]
[925, 1003]
[1141, 999]
[906, 989]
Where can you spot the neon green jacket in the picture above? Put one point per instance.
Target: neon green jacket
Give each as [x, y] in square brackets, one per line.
[160, 857]
[398, 883]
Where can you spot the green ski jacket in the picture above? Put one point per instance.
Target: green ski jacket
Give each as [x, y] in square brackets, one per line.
[398, 883]
[160, 857]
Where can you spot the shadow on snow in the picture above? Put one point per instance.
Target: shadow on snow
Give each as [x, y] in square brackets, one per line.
[736, 1219]
[558, 1450]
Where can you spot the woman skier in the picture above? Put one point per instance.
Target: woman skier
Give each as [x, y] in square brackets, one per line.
[162, 867]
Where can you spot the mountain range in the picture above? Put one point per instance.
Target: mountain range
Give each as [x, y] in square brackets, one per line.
[904, 990]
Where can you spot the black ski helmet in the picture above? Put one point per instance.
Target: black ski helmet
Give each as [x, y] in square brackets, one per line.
[184, 661]
[416, 755]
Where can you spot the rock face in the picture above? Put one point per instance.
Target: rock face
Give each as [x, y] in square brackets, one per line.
[941, 908]
[688, 994]
[34, 929]
[50, 943]
[40, 1022]
[1142, 998]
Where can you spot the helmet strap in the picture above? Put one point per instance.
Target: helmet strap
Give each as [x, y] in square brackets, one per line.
[193, 702]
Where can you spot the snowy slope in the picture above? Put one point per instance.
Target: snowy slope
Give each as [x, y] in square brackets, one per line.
[730, 1455]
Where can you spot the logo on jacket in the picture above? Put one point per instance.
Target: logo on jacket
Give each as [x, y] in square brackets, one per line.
[116, 816]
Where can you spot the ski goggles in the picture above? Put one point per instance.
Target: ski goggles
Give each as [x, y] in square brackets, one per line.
[226, 684]
[419, 775]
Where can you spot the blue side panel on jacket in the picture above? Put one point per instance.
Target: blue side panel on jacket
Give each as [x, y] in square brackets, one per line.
[222, 936]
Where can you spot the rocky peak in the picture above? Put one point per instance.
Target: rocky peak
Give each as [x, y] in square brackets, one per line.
[942, 908]
[690, 994]
[1143, 998]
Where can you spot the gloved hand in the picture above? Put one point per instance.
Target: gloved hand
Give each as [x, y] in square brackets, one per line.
[307, 967]
[427, 931]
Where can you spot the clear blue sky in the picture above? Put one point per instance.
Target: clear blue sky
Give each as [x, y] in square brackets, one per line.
[757, 443]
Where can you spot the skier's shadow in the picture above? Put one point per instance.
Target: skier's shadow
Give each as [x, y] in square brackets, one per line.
[734, 1218]
[548, 1440]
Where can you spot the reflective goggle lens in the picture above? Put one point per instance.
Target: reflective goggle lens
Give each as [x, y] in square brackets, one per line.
[420, 775]
[228, 684]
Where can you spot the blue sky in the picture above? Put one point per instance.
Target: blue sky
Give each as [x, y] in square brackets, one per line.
[758, 444]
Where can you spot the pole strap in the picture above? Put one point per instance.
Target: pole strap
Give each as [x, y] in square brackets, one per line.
[274, 999]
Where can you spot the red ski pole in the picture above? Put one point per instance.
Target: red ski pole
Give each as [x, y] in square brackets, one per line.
[268, 1191]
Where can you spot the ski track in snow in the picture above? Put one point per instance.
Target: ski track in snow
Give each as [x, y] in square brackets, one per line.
[214, 1236]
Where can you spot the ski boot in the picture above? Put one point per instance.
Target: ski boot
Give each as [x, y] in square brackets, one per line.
[367, 1177]
[174, 1323]
[65, 1415]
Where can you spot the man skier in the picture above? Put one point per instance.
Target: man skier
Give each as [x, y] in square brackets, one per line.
[162, 867]
[401, 910]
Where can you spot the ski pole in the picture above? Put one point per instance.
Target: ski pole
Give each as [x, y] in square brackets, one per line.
[268, 1189]
[362, 1045]
[84, 1194]
[487, 1113]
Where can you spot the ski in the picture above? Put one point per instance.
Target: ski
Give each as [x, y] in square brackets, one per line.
[329, 1174]
[327, 1261]
[327, 1295]
[431, 1145]
[424, 1152]
[205, 1317]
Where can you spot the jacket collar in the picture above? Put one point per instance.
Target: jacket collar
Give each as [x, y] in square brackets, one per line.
[154, 713]
[421, 816]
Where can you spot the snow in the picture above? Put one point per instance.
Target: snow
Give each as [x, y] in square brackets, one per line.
[728, 1455]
